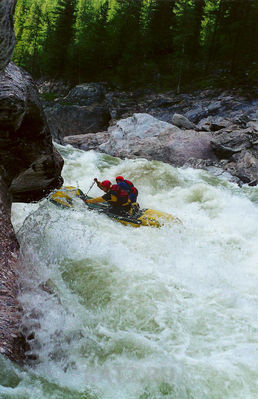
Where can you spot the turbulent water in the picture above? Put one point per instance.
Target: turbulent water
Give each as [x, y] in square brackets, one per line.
[115, 312]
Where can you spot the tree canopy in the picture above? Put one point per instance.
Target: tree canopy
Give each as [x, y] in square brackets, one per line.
[138, 41]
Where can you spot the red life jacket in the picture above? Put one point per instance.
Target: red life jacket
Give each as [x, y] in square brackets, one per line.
[121, 195]
[132, 188]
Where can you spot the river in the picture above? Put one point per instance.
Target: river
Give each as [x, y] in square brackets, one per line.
[116, 312]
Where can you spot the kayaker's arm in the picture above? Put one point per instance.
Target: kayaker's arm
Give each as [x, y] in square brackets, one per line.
[98, 183]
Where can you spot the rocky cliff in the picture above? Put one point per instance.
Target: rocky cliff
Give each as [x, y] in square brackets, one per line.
[29, 168]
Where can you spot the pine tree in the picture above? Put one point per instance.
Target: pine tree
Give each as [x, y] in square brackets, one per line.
[83, 48]
[59, 39]
[126, 35]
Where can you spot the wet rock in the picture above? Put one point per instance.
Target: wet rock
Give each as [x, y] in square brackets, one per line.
[86, 142]
[29, 163]
[29, 168]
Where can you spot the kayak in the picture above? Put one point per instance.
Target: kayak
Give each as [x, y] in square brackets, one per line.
[66, 196]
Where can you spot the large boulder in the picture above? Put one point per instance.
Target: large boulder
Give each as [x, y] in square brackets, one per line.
[29, 163]
[142, 135]
[86, 94]
[70, 119]
[29, 168]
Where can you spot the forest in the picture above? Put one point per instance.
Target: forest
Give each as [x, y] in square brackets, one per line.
[168, 43]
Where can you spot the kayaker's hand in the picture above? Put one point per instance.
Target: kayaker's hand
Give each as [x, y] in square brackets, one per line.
[96, 180]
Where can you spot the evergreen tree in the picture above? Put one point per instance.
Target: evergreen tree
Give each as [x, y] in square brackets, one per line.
[59, 39]
[82, 53]
[101, 44]
[126, 35]
[21, 15]
[140, 40]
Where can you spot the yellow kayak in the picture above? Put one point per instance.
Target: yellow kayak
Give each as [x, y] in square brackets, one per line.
[65, 197]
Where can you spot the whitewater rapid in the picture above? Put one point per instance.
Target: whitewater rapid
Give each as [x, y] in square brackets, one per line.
[115, 312]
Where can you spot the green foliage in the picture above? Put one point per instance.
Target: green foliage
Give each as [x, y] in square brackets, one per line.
[163, 42]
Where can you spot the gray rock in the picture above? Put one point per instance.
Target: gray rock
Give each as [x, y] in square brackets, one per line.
[70, 120]
[29, 169]
[25, 140]
[145, 136]
[196, 113]
[7, 38]
[245, 166]
[253, 125]
[182, 122]
[214, 107]
[231, 142]
[86, 94]
[88, 141]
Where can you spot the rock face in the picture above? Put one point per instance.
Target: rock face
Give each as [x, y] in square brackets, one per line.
[29, 163]
[12, 344]
[7, 38]
[83, 110]
[29, 168]
[65, 120]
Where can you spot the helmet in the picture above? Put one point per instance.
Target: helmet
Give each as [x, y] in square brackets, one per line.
[106, 184]
[119, 178]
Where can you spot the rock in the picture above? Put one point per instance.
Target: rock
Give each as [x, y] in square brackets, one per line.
[142, 135]
[12, 344]
[182, 122]
[27, 153]
[7, 38]
[228, 142]
[221, 114]
[88, 141]
[29, 169]
[196, 113]
[57, 88]
[145, 136]
[245, 167]
[67, 120]
[253, 125]
[86, 94]
[214, 107]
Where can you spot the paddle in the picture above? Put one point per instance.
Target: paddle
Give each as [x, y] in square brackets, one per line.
[90, 187]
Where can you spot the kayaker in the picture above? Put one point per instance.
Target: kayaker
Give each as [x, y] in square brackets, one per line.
[131, 189]
[99, 183]
[115, 196]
